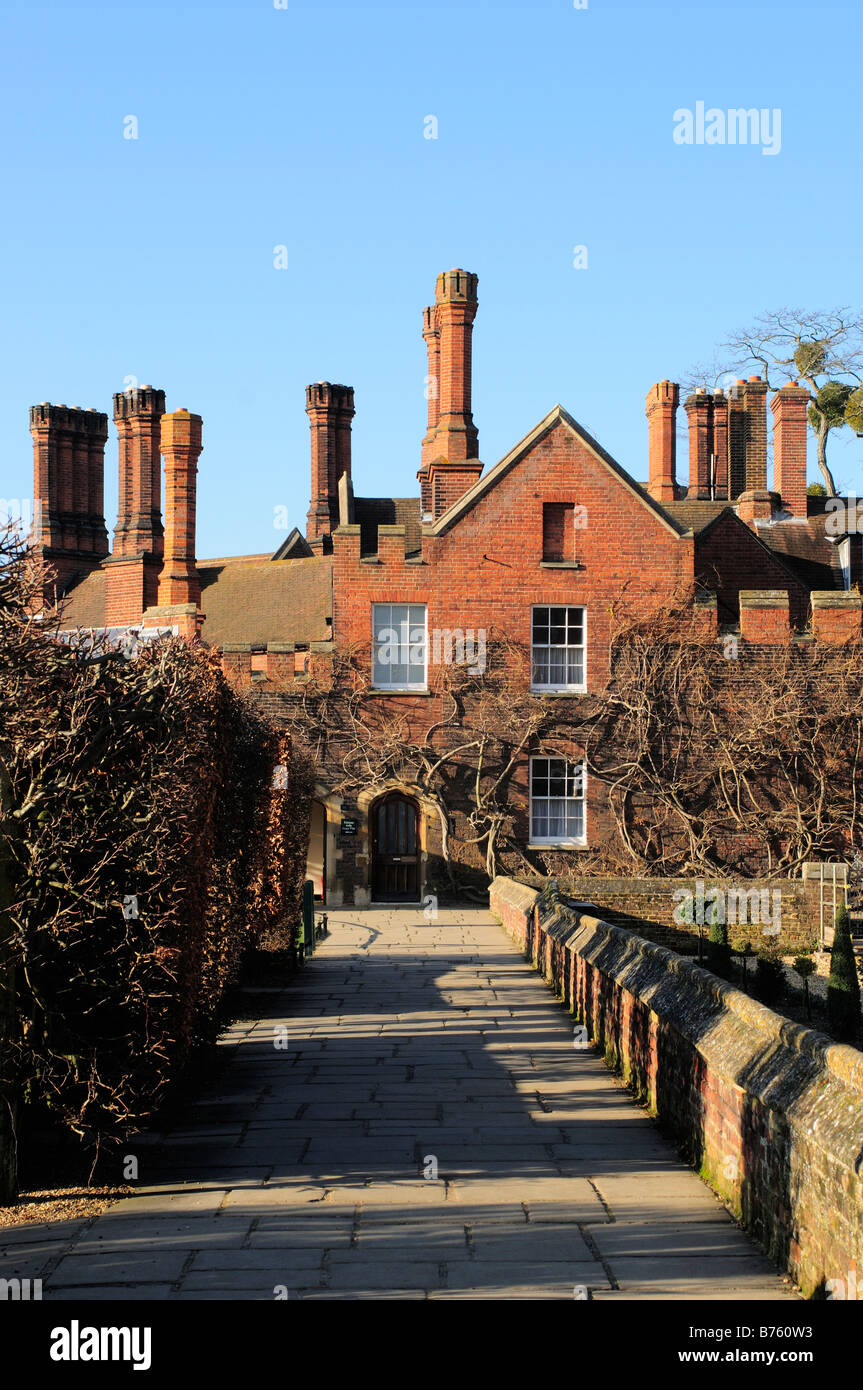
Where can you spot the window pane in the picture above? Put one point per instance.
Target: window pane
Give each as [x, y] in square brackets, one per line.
[399, 645]
[557, 646]
[556, 799]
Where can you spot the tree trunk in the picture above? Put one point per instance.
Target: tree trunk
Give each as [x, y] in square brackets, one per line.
[821, 439]
[8, 1109]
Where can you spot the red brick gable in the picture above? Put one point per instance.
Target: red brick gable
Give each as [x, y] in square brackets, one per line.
[730, 557]
[556, 417]
[481, 564]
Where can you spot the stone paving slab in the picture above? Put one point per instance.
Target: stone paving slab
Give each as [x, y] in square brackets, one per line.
[304, 1168]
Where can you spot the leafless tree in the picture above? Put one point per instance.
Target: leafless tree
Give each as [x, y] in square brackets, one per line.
[824, 349]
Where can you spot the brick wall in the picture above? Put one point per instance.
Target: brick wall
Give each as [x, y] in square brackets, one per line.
[487, 570]
[768, 1111]
[648, 906]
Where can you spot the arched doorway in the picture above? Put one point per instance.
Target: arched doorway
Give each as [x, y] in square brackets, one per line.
[395, 849]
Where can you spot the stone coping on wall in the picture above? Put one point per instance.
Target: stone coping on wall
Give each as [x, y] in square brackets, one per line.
[783, 1086]
[616, 951]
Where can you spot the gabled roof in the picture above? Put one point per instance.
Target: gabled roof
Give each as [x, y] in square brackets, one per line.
[759, 538]
[807, 550]
[294, 547]
[801, 546]
[557, 416]
[696, 515]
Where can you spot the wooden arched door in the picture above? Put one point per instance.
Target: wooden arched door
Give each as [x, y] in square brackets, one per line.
[395, 849]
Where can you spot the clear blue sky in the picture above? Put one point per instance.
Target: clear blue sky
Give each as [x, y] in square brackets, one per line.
[153, 258]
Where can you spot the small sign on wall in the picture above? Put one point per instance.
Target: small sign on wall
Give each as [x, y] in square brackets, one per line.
[350, 825]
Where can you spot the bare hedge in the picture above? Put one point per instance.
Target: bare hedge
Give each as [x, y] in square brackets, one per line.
[147, 851]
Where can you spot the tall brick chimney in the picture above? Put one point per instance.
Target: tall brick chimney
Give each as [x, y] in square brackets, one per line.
[789, 407]
[137, 415]
[699, 412]
[661, 409]
[755, 503]
[330, 409]
[736, 441]
[68, 489]
[450, 462]
[455, 309]
[755, 404]
[432, 340]
[720, 445]
[181, 445]
[133, 569]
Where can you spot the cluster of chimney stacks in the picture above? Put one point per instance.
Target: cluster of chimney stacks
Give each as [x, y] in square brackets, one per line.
[151, 567]
[449, 461]
[728, 447]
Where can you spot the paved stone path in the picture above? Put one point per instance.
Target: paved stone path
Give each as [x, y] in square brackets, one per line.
[302, 1171]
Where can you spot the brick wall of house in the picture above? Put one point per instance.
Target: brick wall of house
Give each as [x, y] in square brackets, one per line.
[280, 683]
[487, 569]
[769, 1112]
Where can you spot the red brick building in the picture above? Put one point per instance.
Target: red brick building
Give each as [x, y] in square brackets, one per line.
[541, 549]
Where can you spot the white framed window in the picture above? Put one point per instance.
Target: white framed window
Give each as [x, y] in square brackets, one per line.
[399, 646]
[557, 647]
[557, 790]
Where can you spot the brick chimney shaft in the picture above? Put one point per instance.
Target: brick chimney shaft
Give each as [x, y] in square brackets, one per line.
[755, 403]
[699, 413]
[661, 409]
[720, 445]
[68, 485]
[432, 341]
[330, 409]
[181, 446]
[789, 407]
[455, 436]
[137, 415]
